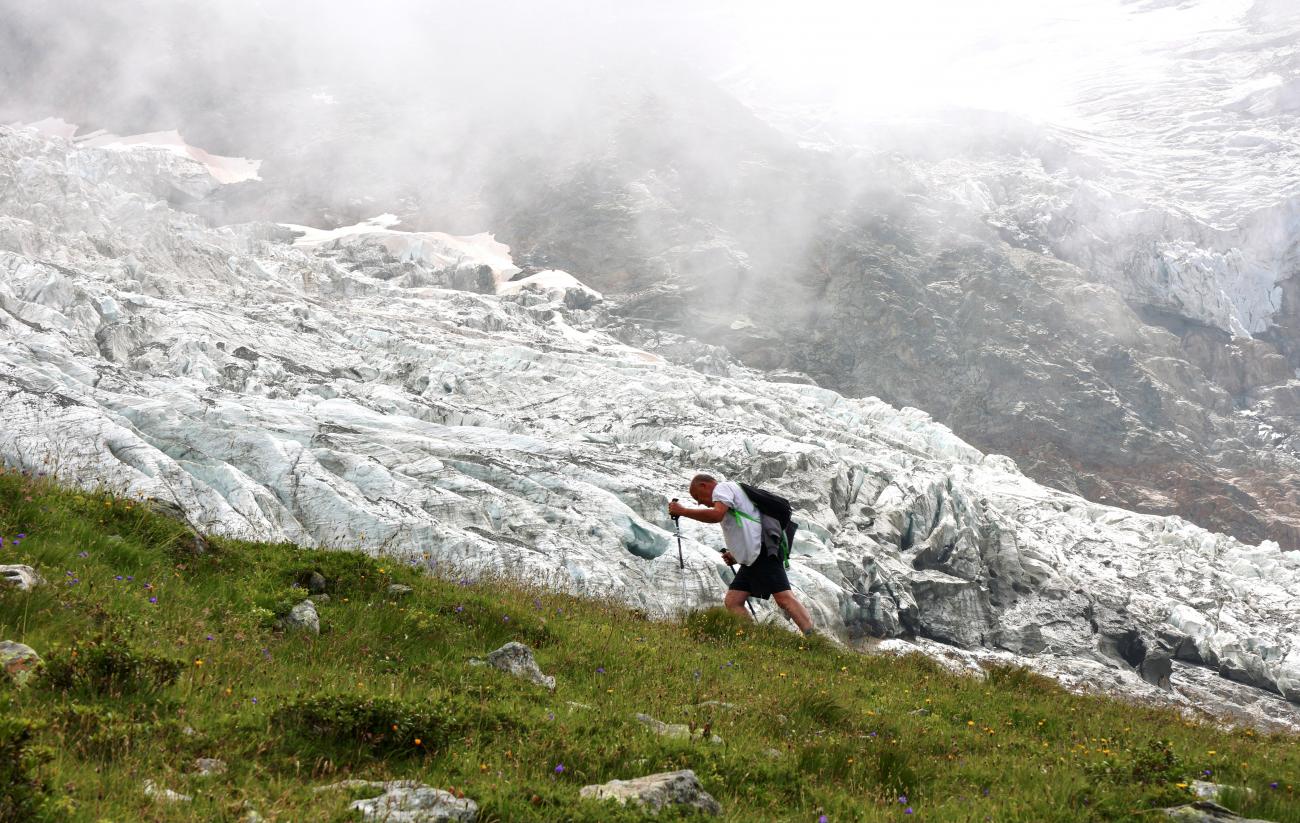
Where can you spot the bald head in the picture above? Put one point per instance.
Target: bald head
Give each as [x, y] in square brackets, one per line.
[702, 488]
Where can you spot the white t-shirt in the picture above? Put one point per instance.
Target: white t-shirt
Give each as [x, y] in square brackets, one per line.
[745, 538]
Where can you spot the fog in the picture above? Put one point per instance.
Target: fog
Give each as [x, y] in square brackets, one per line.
[143, 64]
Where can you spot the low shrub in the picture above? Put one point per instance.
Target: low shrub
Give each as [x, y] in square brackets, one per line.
[24, 797]
[109, 668]
[347, 574]
[1020, 679]
[379, 726]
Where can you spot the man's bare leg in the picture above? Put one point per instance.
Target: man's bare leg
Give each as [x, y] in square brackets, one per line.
[791, 606]
[735, 602]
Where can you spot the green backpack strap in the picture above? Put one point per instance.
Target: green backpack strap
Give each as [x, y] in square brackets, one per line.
[785, 544]
[739, 514]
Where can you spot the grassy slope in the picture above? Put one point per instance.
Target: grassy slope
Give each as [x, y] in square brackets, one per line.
[855, 731]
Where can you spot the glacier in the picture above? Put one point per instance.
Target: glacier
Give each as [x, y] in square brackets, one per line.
[414, 394]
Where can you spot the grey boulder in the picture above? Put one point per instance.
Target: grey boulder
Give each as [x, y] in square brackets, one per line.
[655, 791]
[18, 661]
[316, 583]
[517, 659]
[302, 618]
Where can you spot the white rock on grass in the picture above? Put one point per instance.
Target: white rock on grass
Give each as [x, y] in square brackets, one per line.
[378, 785]
[206, 766]
[302, 618]
[1207, 811]
[417, 804]
[163, 795]
[655, 791]
[18, 661]
[675, 731]
[1206, 790]
[517, 659]
[25, 578]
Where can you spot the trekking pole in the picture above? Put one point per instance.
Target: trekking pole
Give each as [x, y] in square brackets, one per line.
[677, 524]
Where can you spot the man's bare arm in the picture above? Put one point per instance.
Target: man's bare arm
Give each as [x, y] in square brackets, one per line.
[712, 515]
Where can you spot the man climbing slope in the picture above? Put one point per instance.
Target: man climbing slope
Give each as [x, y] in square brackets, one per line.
[762, 573]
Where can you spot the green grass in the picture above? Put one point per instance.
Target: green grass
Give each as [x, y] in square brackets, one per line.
[135, 689]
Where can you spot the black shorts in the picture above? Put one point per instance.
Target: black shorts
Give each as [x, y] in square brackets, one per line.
[764, 578]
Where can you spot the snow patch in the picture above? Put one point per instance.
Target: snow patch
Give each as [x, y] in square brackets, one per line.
[552, 282]
[51, 127]
[435, 249]
[224, 170]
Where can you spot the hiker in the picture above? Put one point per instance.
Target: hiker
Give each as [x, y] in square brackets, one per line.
[762, 574]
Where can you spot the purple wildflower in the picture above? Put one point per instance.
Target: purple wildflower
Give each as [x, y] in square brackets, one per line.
[902, 798]
[908, 810]
[117, 577]
[83, 555]
[209, 637]
[21, 537]
[559, 769]
[153, 600]
[600, 670]
[505, 618]
[1273, 785]
[130, 577]
[460, 609]
[254, 699]
[823, 819]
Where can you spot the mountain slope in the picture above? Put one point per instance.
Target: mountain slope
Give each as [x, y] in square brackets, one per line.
[340, 394]
[156, 656]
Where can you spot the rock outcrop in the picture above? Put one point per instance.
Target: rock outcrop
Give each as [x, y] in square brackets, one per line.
[18, 661]
[302, 618]
[657, 791]
[402, 803]
[517, 659]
